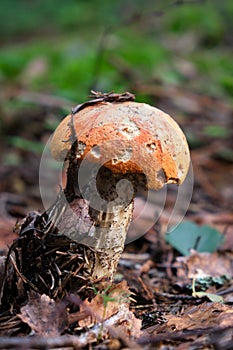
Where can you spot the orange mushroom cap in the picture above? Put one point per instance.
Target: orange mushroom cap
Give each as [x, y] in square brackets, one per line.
[127, 137]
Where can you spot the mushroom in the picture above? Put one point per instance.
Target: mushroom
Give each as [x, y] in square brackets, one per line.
[119, 145]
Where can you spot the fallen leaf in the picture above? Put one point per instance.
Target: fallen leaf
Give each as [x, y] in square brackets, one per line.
[128, 322]
[202, 316]
[124, 320]
[105, 304]
[44, 315]
[6, 232]
[212, 264]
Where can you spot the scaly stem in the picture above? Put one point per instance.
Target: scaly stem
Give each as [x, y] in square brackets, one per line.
[101, 219]
[111, 209]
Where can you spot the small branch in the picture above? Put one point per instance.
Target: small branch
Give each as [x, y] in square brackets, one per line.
[38, 342]
[181, 336]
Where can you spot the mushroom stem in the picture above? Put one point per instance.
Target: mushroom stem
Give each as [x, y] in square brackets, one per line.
[110, 234]
[110, 208]
[102, 231]
[101, 219]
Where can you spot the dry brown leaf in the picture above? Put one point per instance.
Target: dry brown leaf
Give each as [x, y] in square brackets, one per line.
[6, 233]
[118, 306]
[202, 316]
[121, 324]
[44, 315]
[211, 264]
[129, 323]
[118, 295]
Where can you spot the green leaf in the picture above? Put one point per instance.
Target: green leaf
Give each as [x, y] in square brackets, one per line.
[188, 235]
[212, 297]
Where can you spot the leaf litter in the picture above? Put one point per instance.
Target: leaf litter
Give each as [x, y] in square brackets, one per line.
[151, 302]
[44, 316]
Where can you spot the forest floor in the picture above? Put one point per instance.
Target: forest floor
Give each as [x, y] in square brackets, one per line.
[168, 293]
[163, 282]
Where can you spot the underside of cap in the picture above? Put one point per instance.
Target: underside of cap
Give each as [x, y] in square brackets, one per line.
[127, 137]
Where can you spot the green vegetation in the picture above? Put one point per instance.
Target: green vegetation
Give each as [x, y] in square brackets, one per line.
[187, 236]
[54, 46]
[64, 49]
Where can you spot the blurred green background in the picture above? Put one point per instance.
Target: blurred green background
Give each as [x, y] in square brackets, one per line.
[66, 48]
[169, 53]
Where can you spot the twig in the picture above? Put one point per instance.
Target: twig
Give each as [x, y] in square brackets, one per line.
[168, 336]
[38, 342]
